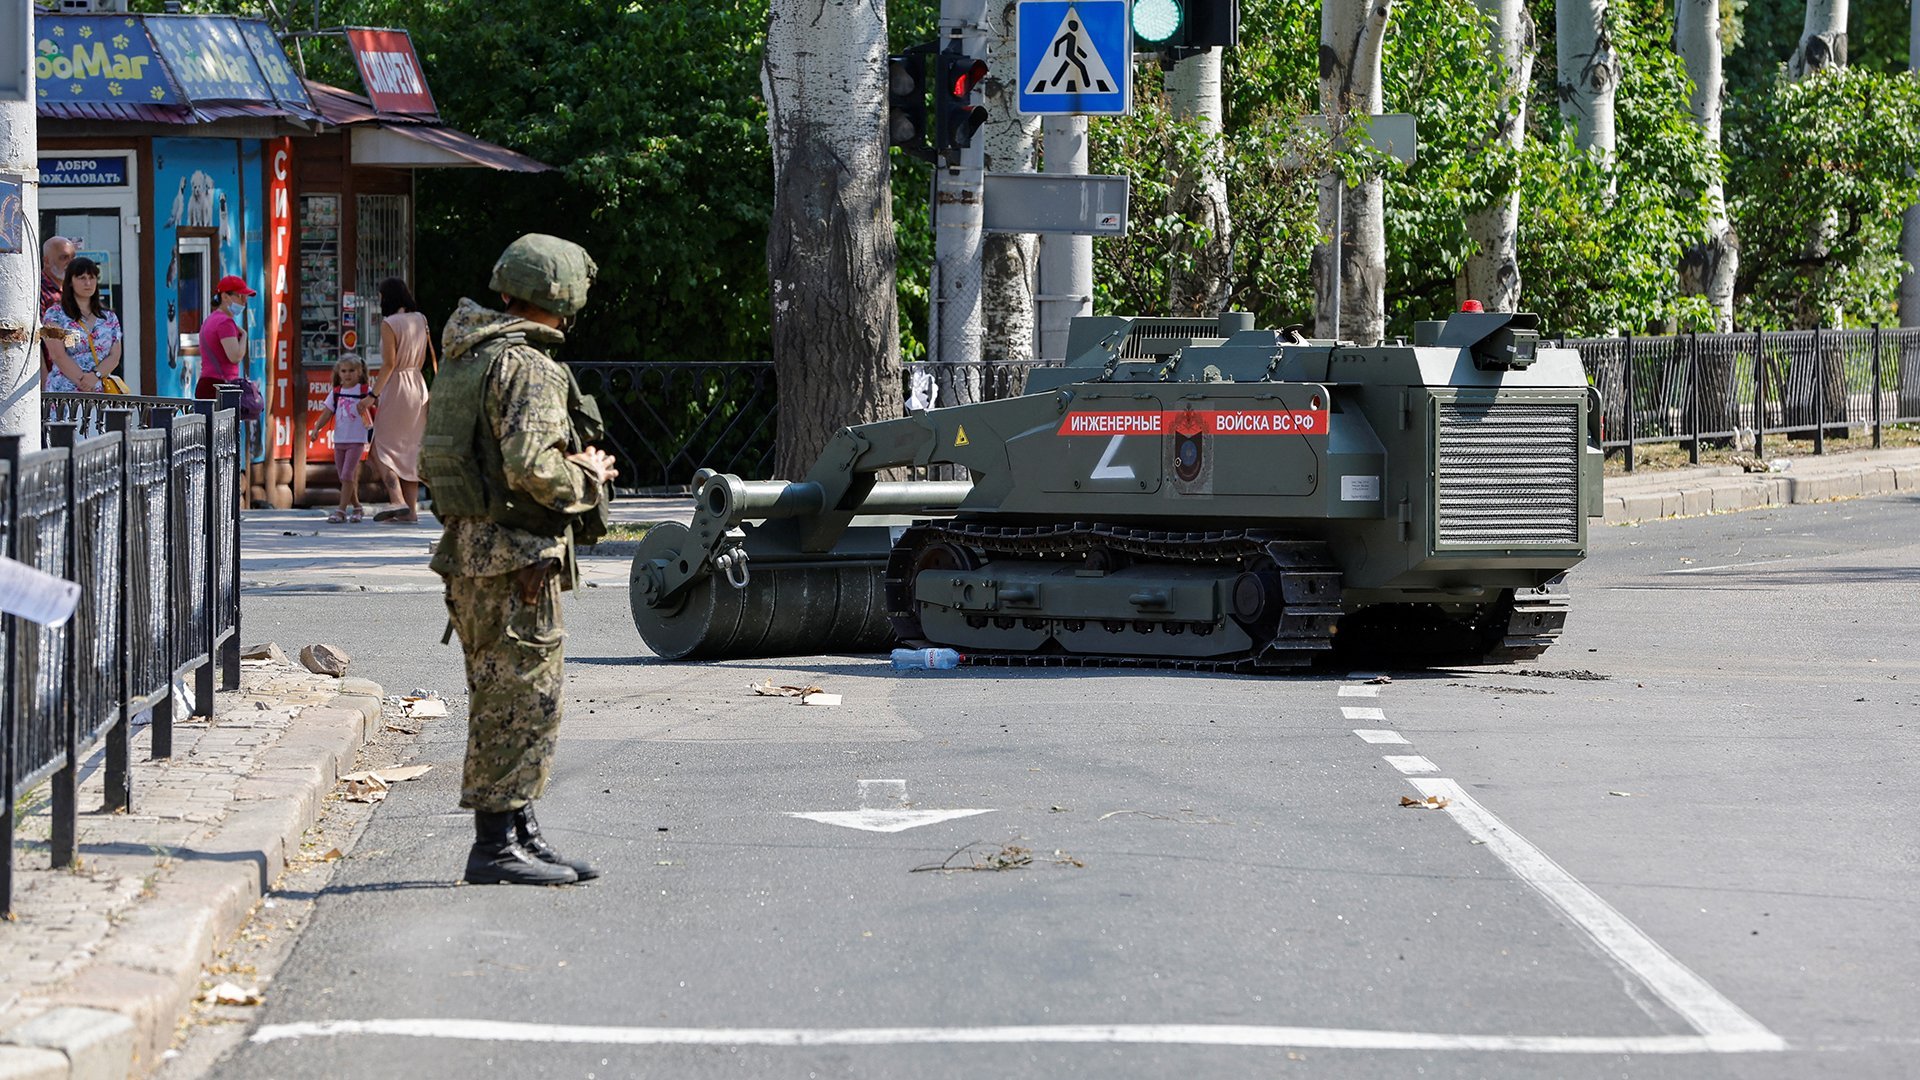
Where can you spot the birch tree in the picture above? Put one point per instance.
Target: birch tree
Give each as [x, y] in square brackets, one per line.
[1009, 259]
[1588, 73]
[1823, 40]
[1351, 35]
[1200, 281]
[1708, 269]
[1491, 272]
[830, 253]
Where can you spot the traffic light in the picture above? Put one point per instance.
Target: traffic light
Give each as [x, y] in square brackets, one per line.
[907, 101]
[1182, 26]
[955, 116]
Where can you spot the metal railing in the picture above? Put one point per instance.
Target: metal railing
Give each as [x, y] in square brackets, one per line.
[1720, 388]
[147, 520]
[665, 420]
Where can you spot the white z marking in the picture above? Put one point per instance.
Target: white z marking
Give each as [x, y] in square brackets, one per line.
[1107, 470]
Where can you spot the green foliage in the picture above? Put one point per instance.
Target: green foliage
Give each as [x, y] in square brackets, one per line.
[1821, 175]
[1436, 66]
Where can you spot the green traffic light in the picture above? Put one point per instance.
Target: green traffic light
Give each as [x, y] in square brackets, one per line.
[1156, 20]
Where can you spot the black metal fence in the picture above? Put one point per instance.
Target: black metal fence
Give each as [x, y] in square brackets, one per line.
[145, 516]
[666, 420]
[1741, 388]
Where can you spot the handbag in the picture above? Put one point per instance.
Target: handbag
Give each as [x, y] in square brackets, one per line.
[113, 384]
[251, 404]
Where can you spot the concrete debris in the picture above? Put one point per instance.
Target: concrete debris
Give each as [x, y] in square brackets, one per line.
[269, 650]
[325, 660]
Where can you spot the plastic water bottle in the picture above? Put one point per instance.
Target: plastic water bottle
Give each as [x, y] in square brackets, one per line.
[925, 659]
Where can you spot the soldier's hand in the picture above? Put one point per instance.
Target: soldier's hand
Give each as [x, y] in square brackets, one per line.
[596, 461]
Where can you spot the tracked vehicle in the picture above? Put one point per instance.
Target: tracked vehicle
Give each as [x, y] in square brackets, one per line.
[1185, 492]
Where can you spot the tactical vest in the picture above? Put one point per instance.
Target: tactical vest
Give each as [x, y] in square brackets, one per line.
[460, 458]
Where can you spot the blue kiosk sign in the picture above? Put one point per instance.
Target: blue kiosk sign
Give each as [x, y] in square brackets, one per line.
[1076, 58]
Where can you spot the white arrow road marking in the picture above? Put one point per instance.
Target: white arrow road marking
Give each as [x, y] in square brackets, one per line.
[882, 809]
[1710, 1013]
[504, 1031]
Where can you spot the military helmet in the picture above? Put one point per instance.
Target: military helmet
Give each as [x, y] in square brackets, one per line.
[545, 271]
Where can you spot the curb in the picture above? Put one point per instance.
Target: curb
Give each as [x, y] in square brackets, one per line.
[1724, 490]
[118, 1014]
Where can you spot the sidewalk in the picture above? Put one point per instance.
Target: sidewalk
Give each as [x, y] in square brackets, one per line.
[105, 958]
[1651, 495]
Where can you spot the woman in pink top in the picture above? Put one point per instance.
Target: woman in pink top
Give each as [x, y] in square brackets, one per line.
[223, 345]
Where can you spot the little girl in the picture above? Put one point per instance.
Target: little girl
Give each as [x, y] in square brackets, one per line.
[351, 426]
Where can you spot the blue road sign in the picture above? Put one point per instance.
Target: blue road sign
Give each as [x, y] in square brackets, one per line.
[1076, 58]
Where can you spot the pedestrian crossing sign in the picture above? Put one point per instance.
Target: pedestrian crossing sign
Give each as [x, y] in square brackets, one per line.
[1076, 58]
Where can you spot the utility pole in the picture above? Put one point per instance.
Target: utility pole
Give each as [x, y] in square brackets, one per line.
[1066, 261]
[19, 270]
[958, 177]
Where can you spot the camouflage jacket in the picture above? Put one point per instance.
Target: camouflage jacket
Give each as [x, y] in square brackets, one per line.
[526, 402]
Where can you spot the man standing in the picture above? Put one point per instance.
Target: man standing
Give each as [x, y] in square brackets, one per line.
[55, 254]
[508, 475]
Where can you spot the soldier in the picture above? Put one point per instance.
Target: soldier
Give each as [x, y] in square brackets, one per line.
[508, 475]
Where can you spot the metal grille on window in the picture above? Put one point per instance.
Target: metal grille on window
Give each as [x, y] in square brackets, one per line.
[380, 250]
[1509, 473]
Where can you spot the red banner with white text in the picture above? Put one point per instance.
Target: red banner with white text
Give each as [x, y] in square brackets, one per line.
[391, 72]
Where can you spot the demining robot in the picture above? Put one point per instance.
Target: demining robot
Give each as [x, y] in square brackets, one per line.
[1192, 493]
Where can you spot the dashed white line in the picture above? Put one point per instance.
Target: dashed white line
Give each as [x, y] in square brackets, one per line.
[504, 1031]
[1379, 735]
[1361, 712]
[1353, 690]
[1688, 994]
[1412, 763]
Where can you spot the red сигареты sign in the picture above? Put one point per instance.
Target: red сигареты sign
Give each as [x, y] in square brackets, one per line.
[1216, 422]
[391, 72]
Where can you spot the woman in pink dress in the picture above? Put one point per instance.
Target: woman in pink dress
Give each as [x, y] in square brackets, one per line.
[405, 346]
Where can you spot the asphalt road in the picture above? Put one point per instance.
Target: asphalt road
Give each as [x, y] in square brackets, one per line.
[1697, 862]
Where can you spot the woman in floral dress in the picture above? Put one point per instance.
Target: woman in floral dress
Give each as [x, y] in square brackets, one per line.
[91, 350]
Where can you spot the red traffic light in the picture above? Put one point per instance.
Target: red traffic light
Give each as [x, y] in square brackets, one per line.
[965, 79]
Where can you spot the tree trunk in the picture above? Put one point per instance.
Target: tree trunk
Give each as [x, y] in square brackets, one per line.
[1823, 39]
[1908, 401]
[1351, 35]
[1823, 44]
[1009, 259]
[830, 253]
[1708, 269]
[1491, 274]
[1589, 72]
[1201, 279]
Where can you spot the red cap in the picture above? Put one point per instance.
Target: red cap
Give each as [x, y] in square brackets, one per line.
[232, 283]
[1471, 305]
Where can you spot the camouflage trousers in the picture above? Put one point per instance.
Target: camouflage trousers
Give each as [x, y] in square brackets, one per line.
[514, 686]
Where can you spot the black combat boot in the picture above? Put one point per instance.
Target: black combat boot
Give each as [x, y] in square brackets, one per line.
[498, 859]
[527, 831]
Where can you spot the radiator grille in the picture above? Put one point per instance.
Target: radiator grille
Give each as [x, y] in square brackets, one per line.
[1509, 474]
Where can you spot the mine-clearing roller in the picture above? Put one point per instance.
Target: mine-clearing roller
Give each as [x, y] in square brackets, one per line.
[1191, 493]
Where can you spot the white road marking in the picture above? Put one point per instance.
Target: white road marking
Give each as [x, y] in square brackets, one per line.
[1379, 735]
[1361, 712]
[1358, 690]
[1412, 763]
[503, 1031]
[883, 809]
[1688, 994]
[882, 820]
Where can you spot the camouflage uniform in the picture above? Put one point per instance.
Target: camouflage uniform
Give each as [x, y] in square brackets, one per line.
[503, 583]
